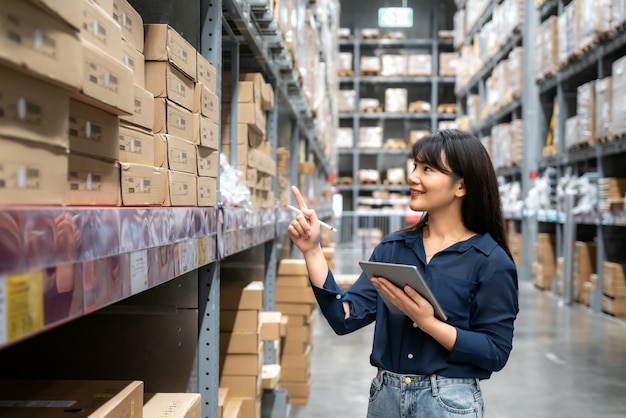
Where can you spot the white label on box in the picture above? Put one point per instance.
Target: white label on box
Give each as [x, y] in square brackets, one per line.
[138, 271]
[188, 256]
[3, 310]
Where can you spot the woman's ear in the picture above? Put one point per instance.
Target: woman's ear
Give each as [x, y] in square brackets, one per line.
[460, 188]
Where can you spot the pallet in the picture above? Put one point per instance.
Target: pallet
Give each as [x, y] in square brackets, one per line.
[394, 144]
[370, 72]
[447, 108]
[394, 182]
[345, 73]
[371, 109]
[344, 180]
[550, 150]
[604, 139]
[369, 181]
[420, 106]
[396, 36]
[581, 145]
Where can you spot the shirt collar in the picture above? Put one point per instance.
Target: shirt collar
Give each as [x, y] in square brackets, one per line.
[482, 242]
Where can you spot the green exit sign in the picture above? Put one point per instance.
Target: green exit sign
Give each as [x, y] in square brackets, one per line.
[395, 17]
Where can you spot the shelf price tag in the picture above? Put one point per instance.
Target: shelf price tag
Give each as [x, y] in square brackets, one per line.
[139, 271]
[24, 307]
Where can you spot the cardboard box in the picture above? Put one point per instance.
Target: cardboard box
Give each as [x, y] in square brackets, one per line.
[86, 398]
[293, 281]
[237, 295]
[239, 320]
[270, 374]
[252, 115]
[175, 153]
[93, 131]
[106, 82]
[130, 22]
[239, 342]
[92, 182]
[295, 308]
[222, 396]
[243, 386]
[206, 102]
[242, 364]
[207, 130]
[165, 80]
[133, 60]
[172, 405]
[208, 161]
[297, 389]
[23, 27]
[32, 174]
[603, 109]
[106, 5]
[295, 375]
[32, 109]
[142, 185]
[267, 97]
[296, 294]
[207, 191]
[292, 267]
[136, 145]
[270, 325]
[181, 189]
[232, 408]
[99, 28]
[163, 43]
[143, 111]
[245, 135]
[70, 13]
[297, 361]
[206, 73]
[170, 118]
[251, 406]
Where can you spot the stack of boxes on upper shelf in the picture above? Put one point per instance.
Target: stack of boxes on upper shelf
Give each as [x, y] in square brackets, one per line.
[498, 37]
[91, 117]
[254, 152]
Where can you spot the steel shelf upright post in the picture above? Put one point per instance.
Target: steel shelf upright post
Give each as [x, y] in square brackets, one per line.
[209, 278]
[530, 117]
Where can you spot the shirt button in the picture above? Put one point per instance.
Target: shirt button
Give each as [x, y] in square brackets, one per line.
[407, 380]
[414, 325]
[337, 296]
[410, 356]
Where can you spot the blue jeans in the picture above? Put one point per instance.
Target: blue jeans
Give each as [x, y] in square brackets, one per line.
[411, 396]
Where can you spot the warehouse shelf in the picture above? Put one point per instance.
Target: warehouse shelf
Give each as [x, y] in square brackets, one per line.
[506, 110]
[596, 218]
[398, 115]
[480, 22]
[375, 151]
[599, 150]
[375, 187]
[583, 61]
[269, 51]
[548, 8]
[390, 79]
[386, 43]
[382, 202]
[513, 41]
[509, 171]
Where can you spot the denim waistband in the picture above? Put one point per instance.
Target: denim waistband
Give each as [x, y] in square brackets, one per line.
[420, 380]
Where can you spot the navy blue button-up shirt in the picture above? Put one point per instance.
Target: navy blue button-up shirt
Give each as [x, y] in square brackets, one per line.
[474, 281]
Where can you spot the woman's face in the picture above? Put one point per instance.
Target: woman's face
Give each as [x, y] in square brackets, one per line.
[431, 189]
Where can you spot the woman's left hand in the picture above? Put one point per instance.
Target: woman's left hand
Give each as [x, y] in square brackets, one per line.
[414, 305]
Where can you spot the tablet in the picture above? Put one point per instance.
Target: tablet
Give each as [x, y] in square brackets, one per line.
[402, 275]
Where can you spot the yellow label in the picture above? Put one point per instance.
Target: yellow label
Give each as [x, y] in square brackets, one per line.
[164, 416]
[201, 251]
[24, 304]
[132, 407]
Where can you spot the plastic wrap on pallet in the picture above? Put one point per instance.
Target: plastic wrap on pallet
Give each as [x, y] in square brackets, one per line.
[473, 109]
[618, 114]
[346, 100]
[396, 100]
[370, 64]
[345, 138]
[618, 13]
[568, 31]
[344, 62]
[393, 65]
[585, 109]
[371, 137]
[595, 20]
[516, 72]
[460, 30]
[448, 64]
[604, 100]
[368, 103]
[571, 131]
[420, 65]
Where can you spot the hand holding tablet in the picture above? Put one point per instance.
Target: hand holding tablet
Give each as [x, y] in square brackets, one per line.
[402, 275]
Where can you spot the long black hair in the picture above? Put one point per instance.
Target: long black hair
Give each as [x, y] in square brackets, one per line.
[467, 158]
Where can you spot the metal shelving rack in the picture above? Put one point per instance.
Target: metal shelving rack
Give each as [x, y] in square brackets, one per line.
[155, 265]
[356, 119]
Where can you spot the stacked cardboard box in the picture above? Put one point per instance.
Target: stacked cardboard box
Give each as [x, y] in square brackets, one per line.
[295, 300]
[253, 152]
[584, 267]
[515, 243]
[611, 191]
[283, 188]
[172, 405]
[241, 346]
[618, 111]
[614, 288]
[544, 266]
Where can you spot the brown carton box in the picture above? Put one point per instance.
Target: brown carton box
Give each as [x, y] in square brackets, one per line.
[136, 145]
[208, 161]
[70, 13]
[142, 185]
[243, 386]
[239, 320]
[143, 113]
[207, 130]
[232, 408]
[249, 364]
[267, 97]
[130, 22]
[292, 267]
[172, 405]
[32, 174]
[288, 294]
[92, 182]
[239, 294]
[206, 102]
[175, 153]
[134, 60]
[207, 191]
[23, 26]
[270, 325]
[32, 109]
[206, 73]
[93, 131]
[239, 342]
[99, 28]
[181, 189]
[106, 82]
[172, 119]
[88, 398]
[163, 43]
[165, 80]
[106, 5]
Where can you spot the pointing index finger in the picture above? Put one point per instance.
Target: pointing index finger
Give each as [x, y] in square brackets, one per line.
[299, 198]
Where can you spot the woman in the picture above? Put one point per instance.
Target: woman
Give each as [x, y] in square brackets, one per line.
[427, 367]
